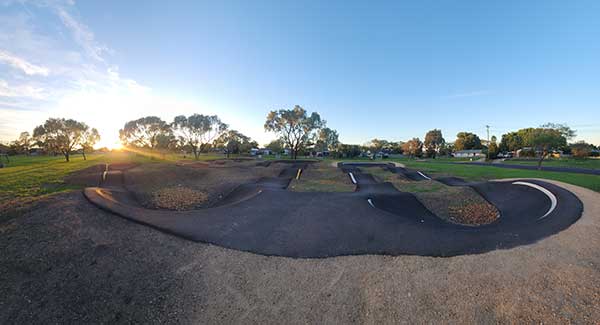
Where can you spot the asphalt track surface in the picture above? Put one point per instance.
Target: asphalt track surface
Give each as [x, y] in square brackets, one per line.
[544, 168]
[265, 218]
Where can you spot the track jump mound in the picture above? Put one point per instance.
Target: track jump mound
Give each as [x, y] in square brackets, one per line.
[453, 181]
[265, 218]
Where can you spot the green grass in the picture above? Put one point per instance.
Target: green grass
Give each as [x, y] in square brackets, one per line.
[27, 177]
[35, 176]
[478, 173]
[322, 177]
[472, 172]
[588, 163]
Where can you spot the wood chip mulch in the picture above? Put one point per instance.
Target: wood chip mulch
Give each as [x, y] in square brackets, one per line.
[178, 198]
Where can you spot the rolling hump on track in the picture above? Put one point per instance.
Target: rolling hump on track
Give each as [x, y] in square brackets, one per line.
[264, 218]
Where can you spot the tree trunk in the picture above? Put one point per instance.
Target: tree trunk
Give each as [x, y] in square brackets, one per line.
[83, 153]
[541, 160]
[195, 153]
[67, 156]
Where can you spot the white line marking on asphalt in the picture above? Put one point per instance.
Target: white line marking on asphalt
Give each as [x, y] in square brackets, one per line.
[352, 177]
[371, 202]
[551, 196]
[423, 175]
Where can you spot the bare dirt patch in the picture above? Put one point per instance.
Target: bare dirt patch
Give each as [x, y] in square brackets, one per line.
[215, 182]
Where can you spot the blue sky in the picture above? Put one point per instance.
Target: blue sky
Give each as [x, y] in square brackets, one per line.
[390, 70]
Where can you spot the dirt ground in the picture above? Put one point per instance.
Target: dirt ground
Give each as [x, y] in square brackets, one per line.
[212, 182]
[65, 261]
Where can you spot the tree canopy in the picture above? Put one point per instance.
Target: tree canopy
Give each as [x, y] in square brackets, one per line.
[60, 135]
[434, 141]
[544, 140]
[234, 142]
[328, 139]
[413, 147]
[275, 146]
[581, 149]
[511, 141]
[294, 127]
[23, 143]
[197, 131]
[144, 132]
[89, 137]
[467, 141]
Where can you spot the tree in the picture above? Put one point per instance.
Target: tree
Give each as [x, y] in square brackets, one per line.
[60, 135]
[396, 147]
[564, 129]
[544, 140]
[198, 131]
[348, 150]
[166, 141]
[234, 142]
[467, 141]
[377, 145]
[295, 128]
[581, 149]
[275, 146]
[89, 137]
[23, 143]
[511, 141]
[144, 132]
[413, 147]
[328, 139]
[493, 148]
[434, 141]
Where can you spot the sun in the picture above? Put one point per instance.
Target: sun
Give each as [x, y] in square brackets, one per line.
[110, 145]
[115, 146]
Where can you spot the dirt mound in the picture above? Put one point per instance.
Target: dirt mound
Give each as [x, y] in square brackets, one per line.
[215, 182]
[121, 166]
[90, 176]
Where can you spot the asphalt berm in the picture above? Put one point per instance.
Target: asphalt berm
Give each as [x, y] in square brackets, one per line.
[264, 218]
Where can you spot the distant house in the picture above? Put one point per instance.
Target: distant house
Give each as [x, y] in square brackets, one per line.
[525, 152]
[472, 153]
[266, 152]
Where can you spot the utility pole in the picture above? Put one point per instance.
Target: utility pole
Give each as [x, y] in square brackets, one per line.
[487, 127]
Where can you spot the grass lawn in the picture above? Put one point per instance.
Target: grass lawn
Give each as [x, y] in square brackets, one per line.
[562, 162]
[322, 177]
[25, 178]
[472, 172]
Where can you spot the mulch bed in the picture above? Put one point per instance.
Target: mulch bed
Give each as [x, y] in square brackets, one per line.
[178, 198]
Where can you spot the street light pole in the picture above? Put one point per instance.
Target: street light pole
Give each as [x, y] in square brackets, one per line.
[488, 141]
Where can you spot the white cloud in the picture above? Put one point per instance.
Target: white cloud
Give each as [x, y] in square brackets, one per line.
[27, 91]
[22, 64]
[82, 35]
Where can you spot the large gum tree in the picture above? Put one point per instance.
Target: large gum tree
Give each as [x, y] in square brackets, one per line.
[60, 135]
[294, 126]
[197, 131]
[144, 132]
